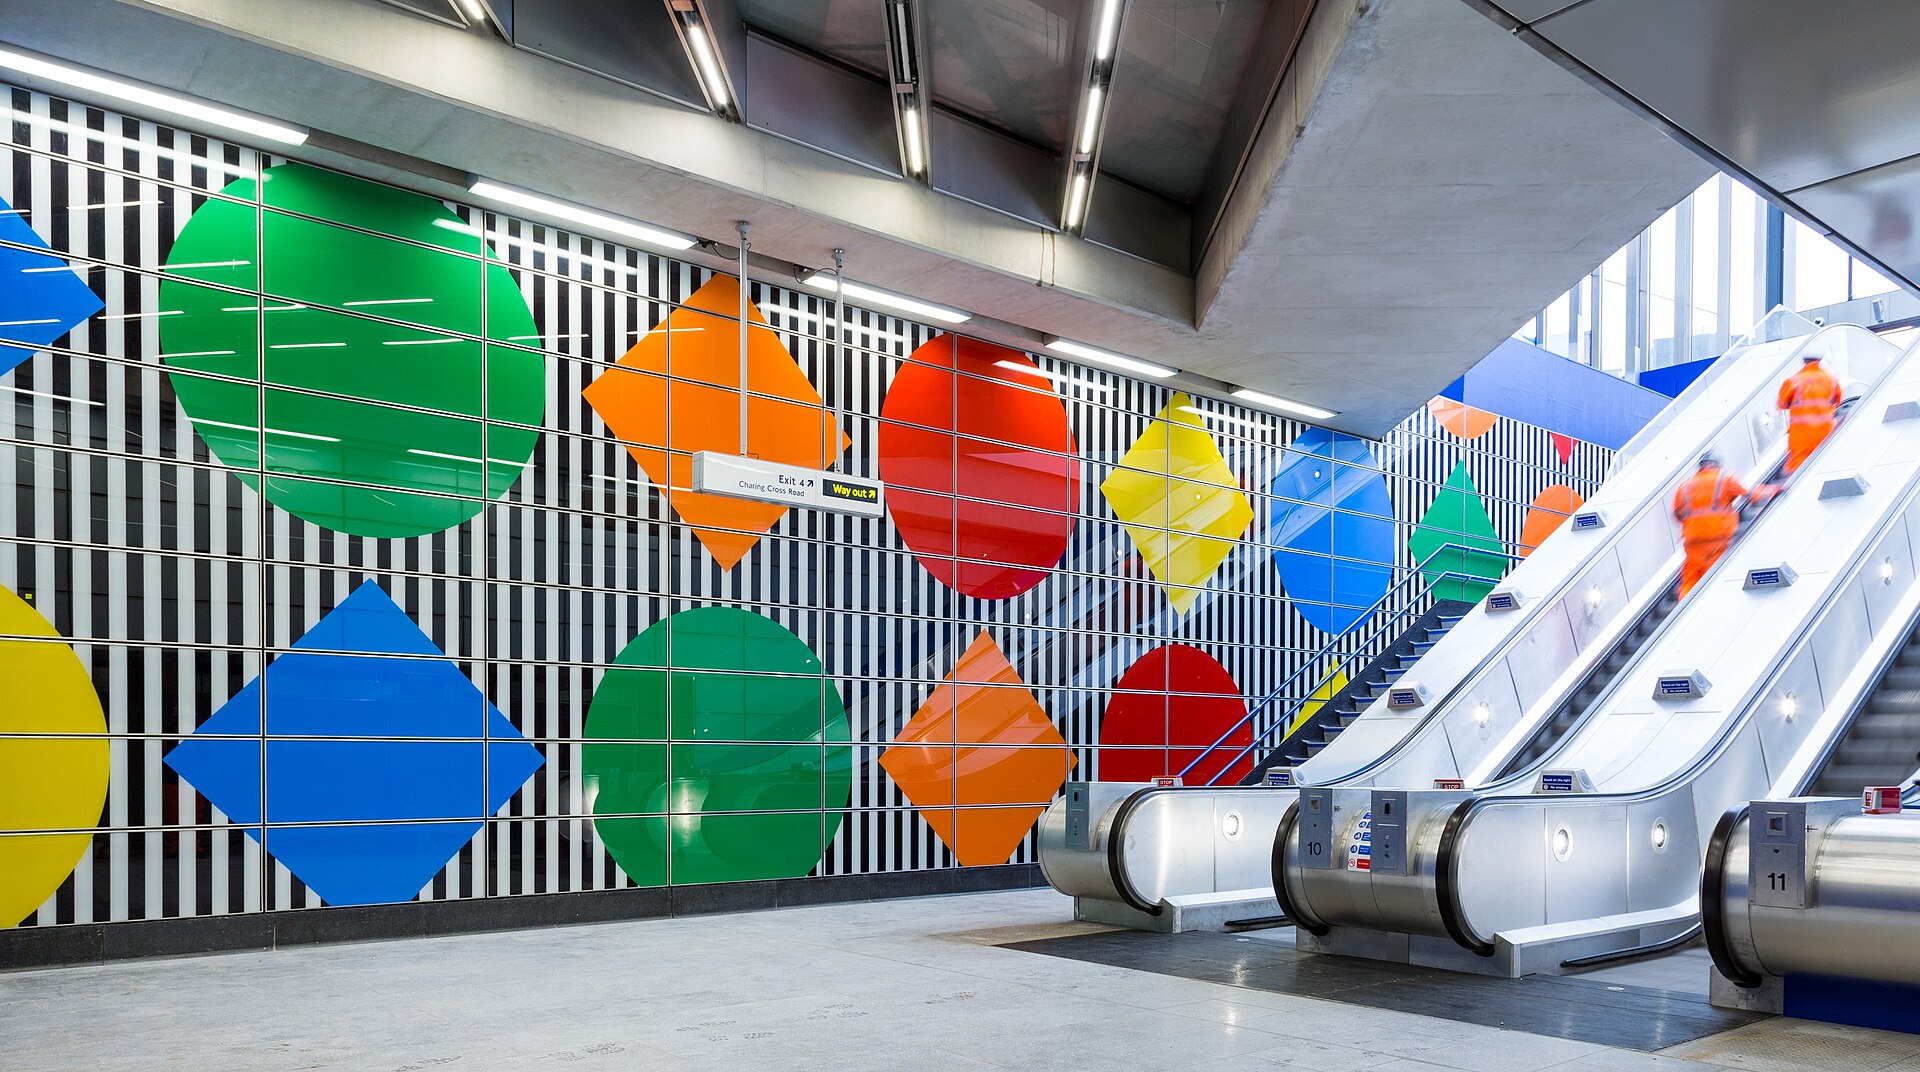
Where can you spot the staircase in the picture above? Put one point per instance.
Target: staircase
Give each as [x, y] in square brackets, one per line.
[1596, 683]
[1343, 707]
[1882, 747]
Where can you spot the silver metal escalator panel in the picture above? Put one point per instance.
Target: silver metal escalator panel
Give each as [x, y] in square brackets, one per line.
[1728, 409]
[1497, 677]
[1520, 880]
[1163, 858]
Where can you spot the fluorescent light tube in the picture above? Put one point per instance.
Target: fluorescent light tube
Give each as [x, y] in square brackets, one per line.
[561, 210]
[1261, 398]
[709, 64]
[1106, 37]
[916, 157]
[1076, 201]
[147, 97]
[860, 292]
[1110, 359]
[1090, 123]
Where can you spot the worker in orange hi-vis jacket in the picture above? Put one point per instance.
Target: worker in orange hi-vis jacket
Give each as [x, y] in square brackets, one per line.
[1707, 506]
[1811, 398]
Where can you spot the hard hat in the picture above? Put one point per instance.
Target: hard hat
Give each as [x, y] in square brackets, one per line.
[1709, 459]
[1810, 358]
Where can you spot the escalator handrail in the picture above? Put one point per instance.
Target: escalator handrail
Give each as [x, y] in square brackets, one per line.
[1453, 917]
[1288, 717]
[1117, 850]
[1314, 660]
[1501, 649]
[1768, 466]
[1713, 891]
[1841, 732]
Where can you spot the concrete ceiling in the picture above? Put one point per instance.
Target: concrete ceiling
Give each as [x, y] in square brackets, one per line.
[1351, 208]
[1816, 106]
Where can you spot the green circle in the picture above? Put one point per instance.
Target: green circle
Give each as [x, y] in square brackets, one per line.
[729, 766]
[329, 250]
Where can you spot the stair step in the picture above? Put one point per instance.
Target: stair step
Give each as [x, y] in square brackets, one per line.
[1848, 779]
[1901, 677]
[1874, 722]
[1878, 751]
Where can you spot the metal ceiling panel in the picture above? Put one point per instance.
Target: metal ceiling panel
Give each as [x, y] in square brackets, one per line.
[1182, 64]
[1877, 211]
[1009, 63]
[1136, 221]
[853, 32]
[808, 100]
[990, 169]
[1795, 93]
[633, 43]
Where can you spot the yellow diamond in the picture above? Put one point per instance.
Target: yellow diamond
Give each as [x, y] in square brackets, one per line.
[1178, 500]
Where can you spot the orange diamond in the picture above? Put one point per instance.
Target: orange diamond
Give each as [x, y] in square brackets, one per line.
[980, 759]
[666, 421]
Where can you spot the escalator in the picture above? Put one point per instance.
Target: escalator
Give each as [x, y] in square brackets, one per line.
[1819, 893]
[1882, 746]
[1569, 714]
[1498, 681]
[1596, 848]
[1341, 711]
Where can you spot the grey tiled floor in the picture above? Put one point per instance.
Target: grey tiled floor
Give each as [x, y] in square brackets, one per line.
[912, 985]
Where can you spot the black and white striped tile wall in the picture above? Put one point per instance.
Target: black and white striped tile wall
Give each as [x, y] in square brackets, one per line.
[176, 585]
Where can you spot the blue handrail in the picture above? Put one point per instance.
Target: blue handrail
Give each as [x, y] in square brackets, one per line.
[1415, 572]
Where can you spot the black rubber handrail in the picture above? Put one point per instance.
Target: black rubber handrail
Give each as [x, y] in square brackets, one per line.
[1446, 884]
[1453, 915]
[1279, 867]
[1117, 851]
[1613, 956]
[1713, 891]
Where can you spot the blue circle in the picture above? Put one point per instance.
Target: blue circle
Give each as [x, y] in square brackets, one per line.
[1332, 526]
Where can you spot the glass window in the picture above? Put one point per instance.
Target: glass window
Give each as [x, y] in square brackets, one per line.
[1818, 272]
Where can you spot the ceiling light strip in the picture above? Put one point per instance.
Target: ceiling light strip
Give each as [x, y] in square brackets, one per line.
[702, 47]
[1083, 156]
[1110, 359]
[577, 214]
[825, 281]
[1284, 405]
[97, 84]
[910, 104]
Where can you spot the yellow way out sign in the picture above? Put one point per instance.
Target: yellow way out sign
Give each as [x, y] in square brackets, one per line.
[788, 485]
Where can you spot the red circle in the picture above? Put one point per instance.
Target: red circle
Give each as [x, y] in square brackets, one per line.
[978, 459]
[1171, 705]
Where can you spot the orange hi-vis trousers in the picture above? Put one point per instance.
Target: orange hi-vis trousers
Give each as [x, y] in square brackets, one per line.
[1701, 555]
[1804, 436]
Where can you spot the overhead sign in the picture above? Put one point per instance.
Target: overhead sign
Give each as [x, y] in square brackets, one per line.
[789, 485]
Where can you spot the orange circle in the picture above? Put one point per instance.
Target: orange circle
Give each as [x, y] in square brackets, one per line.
[1549, 511]
[1461, 419]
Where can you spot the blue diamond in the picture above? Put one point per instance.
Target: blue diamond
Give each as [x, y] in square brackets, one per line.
[41, 298]
[429, 791]
[1334, 545]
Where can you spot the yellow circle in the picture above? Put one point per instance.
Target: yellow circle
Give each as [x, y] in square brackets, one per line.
[46, 783]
